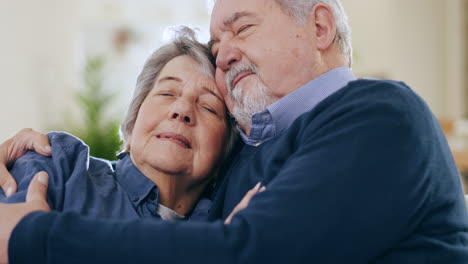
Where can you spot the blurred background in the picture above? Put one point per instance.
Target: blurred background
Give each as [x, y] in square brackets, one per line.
[72, 64]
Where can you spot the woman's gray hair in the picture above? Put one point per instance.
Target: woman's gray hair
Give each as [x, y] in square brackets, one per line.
[184, 43]
[300, 10]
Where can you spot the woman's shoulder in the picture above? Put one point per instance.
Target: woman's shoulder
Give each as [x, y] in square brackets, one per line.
[65, 150]
[66, 141]
[72, 152]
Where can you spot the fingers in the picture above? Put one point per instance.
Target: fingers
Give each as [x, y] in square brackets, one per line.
[7, 182]
[37, 189]
[229, 218]
[41, 144]
[245, 201]
[12, 149]
[248, 196]
[28, 139]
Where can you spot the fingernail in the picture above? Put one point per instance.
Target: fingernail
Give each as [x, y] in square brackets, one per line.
[42, 178]
[262, 189]
[47, 149]
[9, 191]
[257, 186]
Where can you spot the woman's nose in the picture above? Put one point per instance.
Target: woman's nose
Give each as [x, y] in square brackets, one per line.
[184, 118]
[182, 112]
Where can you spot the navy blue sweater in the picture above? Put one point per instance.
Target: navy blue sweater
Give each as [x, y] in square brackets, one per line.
[365, 177]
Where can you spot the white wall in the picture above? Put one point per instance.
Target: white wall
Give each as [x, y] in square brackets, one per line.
[416, 41]
[37, 66]
[17, 99]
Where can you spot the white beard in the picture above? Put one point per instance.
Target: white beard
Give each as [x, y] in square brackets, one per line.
[249, 102]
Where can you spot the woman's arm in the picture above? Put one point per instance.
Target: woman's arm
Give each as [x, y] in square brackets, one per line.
[15, 147]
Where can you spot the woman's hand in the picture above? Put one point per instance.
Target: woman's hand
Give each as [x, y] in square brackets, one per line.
[11, 214]
[15, 147]
[245, 201]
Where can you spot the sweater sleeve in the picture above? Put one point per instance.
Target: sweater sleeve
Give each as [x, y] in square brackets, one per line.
[352, 188]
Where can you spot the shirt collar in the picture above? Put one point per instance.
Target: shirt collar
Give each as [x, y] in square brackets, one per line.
[277, 117]
[138, 187]
[135, 184]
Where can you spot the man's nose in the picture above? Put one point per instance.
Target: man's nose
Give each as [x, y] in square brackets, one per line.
[227, 57]
[182, 112]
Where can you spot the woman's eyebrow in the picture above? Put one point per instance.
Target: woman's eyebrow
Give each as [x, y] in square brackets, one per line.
[169, 78]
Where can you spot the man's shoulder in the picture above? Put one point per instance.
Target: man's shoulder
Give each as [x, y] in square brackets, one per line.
[388, 98]
[379, 90]
[367, 103]
[373, 97]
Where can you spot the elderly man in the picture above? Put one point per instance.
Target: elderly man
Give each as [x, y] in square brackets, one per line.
[357, 171]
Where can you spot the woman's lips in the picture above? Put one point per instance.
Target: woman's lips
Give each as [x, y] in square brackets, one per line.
[176, 138]
[239, 77]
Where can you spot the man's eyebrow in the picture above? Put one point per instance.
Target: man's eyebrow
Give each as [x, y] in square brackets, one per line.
[234, 17]
[169, 78]
[228, 22]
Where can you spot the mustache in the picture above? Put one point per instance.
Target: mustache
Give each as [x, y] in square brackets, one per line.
[236, 70]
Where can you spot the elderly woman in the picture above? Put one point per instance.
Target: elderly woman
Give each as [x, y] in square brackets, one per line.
[176, 133]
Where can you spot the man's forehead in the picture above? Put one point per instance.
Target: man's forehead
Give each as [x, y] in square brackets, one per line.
[219, 12]
[227, 12]
[229, 20]
[224, 10]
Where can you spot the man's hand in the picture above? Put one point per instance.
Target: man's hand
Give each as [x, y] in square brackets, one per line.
[245, 201]
[11, 214]
[12, 149]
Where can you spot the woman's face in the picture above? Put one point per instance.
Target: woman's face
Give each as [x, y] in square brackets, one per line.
[181, 125]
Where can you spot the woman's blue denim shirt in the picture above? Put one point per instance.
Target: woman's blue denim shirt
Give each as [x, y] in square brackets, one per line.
[91, 186]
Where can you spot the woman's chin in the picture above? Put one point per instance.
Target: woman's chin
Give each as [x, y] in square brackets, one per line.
[170, 167]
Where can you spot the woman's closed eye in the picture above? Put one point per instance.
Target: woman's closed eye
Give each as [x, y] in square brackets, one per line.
[166, 93]
[209, 109]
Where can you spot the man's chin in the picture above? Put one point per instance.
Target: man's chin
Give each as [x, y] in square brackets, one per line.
[243, 118]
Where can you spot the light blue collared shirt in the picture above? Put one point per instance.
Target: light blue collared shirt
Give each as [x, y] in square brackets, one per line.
[277, 117]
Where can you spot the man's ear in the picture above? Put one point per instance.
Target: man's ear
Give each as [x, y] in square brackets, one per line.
[325, 27]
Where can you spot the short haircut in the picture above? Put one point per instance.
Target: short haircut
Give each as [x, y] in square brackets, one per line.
[300, 10]
[184, 43]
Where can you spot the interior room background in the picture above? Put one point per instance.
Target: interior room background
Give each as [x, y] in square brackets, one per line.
[55, 54]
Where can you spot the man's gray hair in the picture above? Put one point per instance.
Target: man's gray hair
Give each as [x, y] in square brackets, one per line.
[300, 10]
[184, 43]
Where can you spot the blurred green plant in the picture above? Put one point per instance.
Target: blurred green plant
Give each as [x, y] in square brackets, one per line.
[101, 135]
